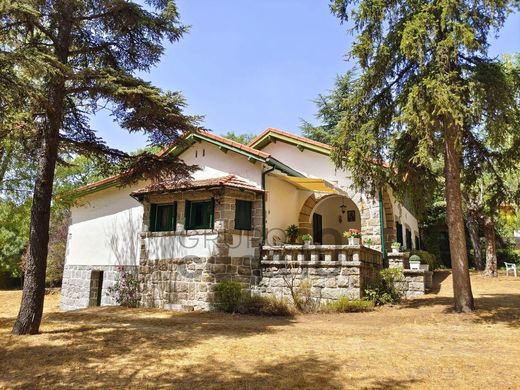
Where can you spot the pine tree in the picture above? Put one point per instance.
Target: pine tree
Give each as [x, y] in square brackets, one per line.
[414, 98]
[66, 60]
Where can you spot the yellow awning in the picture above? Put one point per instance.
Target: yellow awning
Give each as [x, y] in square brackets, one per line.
[311, 184]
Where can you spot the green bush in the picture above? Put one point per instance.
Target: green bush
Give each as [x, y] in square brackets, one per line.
[427, 258]
[228, 295]
[264, 305]
[387, 288]
[346, 305]
[508, 255]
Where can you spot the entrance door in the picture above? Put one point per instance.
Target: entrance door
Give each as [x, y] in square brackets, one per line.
[317, 228]
[96, 288]
[399, 233]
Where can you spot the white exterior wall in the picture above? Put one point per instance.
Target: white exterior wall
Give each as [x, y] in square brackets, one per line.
[283, 206]
[199, 245]
[404, 217]
[105, 229]
[309, 163]
[171, 247]
[215, 163]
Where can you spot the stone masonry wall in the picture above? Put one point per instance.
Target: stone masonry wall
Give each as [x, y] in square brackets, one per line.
[330, 280]
[79, 289]
[188, 283]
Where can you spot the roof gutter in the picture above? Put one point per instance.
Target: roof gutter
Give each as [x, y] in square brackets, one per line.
[282, 167]
[382, 225]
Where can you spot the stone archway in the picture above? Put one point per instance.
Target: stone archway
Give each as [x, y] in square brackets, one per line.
[369, 209]
[389, 230]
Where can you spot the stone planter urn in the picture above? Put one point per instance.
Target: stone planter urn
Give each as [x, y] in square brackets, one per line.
[415, 265]
[395, 250]
[306, 243]
[415, 262]
[354, 241]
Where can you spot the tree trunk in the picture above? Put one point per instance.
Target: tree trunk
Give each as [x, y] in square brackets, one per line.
[5, 156]
[475, 239]
[455, 221]
[31, 309]
[491, 249]
[30, 314]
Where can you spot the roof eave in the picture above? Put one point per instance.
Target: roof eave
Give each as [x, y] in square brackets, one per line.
[268, 138]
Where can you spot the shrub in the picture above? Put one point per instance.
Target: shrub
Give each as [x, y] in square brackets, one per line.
[346, 305]
[427, 258]
[507, 255]
[387, 288]
[302, 297]
[125, 289]
[228, 294]
[264, 305]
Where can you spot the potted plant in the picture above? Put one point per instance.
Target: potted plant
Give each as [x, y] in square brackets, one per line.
[292, 233]
[353, 236]
[368, 242]
[307, 239]
[396, 245]
[415, 262]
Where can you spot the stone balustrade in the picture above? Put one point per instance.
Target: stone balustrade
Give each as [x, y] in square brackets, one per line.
[320, 253]
[332, 271]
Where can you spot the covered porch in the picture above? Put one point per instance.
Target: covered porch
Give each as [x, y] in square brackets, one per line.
[325, 211]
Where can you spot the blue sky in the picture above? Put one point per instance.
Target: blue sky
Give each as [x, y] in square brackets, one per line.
[251, 64]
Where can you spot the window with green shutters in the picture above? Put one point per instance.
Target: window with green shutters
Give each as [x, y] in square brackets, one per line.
[163, 217]
[199, 214]
[243, 215]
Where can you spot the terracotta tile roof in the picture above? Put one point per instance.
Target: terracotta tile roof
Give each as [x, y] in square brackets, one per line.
[98, 183]
[218, 138]
[204, 133]
[224, 181]
[297, 138]
[237, 145]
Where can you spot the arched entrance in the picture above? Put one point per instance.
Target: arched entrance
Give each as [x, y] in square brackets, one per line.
[328, 217]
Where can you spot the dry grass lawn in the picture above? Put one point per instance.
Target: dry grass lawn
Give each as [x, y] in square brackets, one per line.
[420, 344]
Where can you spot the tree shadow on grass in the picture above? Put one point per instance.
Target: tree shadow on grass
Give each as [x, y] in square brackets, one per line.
[490, 308]
[150, 371]
[85, 338]
[438, 278]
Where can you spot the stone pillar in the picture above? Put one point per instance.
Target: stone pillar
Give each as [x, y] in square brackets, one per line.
[398, 260]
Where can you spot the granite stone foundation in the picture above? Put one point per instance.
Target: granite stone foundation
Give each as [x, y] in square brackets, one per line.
[328, 280]
[80, 285]
[417, 282]
[188, 283]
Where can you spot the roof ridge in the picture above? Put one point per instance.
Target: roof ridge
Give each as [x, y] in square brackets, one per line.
[290, 135]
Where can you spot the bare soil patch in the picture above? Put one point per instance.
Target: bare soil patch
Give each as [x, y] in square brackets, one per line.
[419, 344]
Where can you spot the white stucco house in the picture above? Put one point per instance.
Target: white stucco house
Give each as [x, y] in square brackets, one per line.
[229, 222]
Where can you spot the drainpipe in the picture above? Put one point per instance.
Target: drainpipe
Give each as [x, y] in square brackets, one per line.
[382, 224]
[263, 204]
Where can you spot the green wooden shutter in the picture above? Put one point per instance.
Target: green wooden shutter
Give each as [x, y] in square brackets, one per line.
[212, 214]
[153, 217]
[187, 215]
[174, 216]
[243, 214]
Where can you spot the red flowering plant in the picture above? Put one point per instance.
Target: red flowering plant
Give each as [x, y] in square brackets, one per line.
[125, 289]
[354, 233]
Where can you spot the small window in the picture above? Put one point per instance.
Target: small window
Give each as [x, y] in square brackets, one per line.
[199, 215]
[243, 214]
[163, 217]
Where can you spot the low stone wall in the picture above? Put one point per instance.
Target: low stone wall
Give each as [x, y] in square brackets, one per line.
[417, 282]
[329, 280]
[187, 283]
[79, 289]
